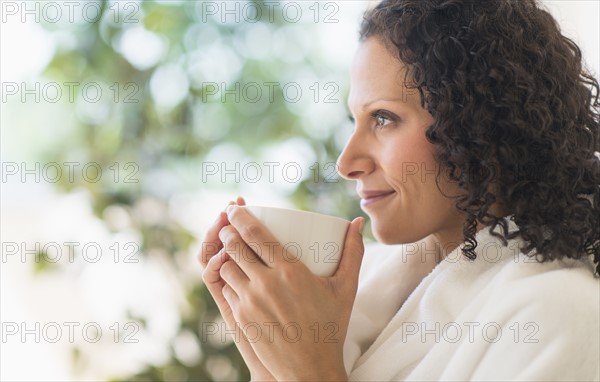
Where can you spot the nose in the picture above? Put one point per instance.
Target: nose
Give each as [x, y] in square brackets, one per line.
[355, 160]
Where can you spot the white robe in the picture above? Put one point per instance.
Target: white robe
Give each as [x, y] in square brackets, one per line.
[503, 316]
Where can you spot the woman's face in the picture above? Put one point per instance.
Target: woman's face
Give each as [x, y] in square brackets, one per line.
[389, 156]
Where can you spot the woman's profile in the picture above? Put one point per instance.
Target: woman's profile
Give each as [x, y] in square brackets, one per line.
[475, 152]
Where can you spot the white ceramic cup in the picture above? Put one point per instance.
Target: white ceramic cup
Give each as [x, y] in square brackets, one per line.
[314, 239]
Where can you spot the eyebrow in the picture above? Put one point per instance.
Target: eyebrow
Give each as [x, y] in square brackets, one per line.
[366, 105]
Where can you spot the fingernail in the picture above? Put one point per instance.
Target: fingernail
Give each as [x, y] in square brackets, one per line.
[361, 226]
[230, 208]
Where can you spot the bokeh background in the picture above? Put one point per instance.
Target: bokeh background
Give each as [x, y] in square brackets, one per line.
[126, 127]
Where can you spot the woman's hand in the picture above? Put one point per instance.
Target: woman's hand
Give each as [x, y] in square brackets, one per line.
[295, 321]
[212, 258]
[211, 245]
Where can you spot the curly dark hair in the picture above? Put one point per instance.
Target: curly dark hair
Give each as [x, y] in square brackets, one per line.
[512, 105]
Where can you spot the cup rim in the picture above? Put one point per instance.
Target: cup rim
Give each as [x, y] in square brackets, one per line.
[301, 212]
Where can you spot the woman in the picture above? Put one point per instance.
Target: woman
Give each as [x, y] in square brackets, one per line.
[475, 147]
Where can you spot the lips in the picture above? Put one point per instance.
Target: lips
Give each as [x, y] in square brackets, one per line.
[370, 197]
[374, 194]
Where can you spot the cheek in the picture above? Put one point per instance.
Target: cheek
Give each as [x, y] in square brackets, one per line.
[410, 159]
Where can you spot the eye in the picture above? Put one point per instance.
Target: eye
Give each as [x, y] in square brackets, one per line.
[383, 118]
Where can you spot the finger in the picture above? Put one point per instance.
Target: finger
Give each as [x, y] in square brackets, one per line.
[215, 285]
[352, 254]
[255, 234]
[241, 201]
[231, 297]
[241, 253]
[211, 274]
[232, 274]
[211, 243]
[231, 203]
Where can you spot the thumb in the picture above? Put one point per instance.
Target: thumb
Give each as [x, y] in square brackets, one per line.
[352, 255]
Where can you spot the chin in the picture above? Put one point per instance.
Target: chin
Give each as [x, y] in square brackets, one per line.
[385, 234]
[390, 234]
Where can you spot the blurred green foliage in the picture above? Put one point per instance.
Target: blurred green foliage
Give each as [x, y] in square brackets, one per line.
[163, 147]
